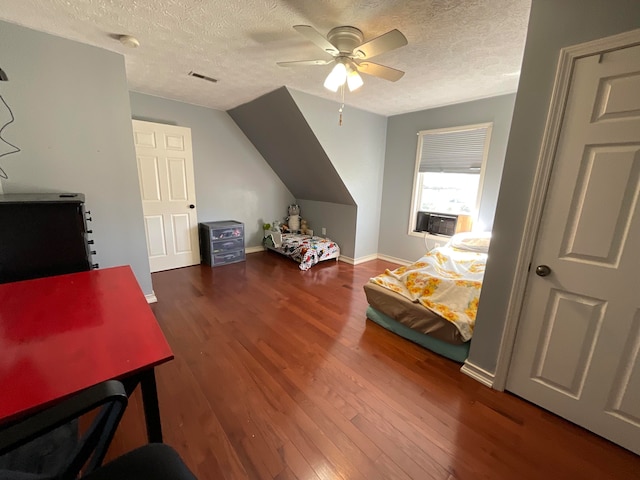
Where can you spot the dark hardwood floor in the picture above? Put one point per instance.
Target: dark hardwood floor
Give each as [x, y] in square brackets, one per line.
[278, 375]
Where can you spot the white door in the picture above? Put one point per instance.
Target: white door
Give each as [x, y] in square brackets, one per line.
[165, 171]
[578, 341]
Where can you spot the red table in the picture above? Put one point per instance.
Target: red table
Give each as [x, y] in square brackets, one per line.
[62, 334]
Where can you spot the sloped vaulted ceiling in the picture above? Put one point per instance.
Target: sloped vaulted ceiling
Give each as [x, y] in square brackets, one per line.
[281, 134]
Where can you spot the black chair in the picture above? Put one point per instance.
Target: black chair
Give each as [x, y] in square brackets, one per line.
[46, 446]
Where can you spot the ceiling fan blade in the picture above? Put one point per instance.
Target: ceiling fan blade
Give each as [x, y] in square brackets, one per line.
[305, 62]
[381, 71]
[317, 38]
[384, 43]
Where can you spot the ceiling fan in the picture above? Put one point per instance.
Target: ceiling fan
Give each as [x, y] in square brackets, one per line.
[351, 55]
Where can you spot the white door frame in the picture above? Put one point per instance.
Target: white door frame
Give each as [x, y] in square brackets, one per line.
[550, 138]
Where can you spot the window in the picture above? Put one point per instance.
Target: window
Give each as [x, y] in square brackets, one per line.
[449, 171]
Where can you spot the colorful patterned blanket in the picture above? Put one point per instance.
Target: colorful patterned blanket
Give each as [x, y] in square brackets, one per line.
[446, 280]
[304, 249]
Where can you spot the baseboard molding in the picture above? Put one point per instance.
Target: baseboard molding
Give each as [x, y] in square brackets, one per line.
[151, 297]
[478, 374]
[358, 261]
[345, 259]
[365, 259]
[368, 258]
[399, 261]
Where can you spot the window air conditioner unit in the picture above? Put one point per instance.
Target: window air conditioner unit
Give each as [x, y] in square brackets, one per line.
[442, 224]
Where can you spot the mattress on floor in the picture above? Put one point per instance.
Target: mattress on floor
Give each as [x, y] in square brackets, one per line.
[411, 314]
[457, 353]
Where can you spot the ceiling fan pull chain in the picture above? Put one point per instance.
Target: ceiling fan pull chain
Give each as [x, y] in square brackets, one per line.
[341, 106]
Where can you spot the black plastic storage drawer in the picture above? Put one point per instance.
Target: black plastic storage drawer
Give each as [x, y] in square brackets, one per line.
[232, 230]
[227, 245]
[221, 242]
[227, 257]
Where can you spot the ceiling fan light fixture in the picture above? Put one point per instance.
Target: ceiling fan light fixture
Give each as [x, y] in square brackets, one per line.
[345, 45]
[336, 78]
[129, 41]
[354, 80]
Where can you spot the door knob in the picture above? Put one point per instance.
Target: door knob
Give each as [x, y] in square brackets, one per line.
[543, 270]
[192, 206]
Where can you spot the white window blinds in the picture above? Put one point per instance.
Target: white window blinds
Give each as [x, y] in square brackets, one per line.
[455, 151]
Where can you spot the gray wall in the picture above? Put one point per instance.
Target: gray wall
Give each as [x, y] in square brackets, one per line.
[233, 181]
[402, 143]
[339, 220]
[281, 134]
[553, 25]
[356, 150]
[73, 124]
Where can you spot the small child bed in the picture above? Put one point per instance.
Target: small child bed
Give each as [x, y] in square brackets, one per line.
[307, 250]
[433, 302]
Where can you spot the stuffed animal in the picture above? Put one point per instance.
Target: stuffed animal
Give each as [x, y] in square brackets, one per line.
[293, 210]
[303, 227]
[294, 222]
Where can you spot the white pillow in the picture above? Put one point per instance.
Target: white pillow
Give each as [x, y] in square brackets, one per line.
[471, 241]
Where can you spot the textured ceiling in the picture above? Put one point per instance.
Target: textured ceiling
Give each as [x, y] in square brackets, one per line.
[458, 49]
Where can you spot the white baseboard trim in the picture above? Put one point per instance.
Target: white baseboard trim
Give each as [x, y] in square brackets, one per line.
[366, 258]
[345, 259]
[478, 374]
[399, 261]
[151, 297]
[358, 261]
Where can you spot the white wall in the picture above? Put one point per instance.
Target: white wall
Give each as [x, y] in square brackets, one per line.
[73, 124]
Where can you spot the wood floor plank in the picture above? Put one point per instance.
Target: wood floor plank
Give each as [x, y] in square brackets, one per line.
[296, 463]
[305, 430]
[278, 375]
[335, 428]
[322, 398]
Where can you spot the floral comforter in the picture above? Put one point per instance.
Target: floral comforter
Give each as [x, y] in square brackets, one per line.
[308, 250]
[446, 280]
